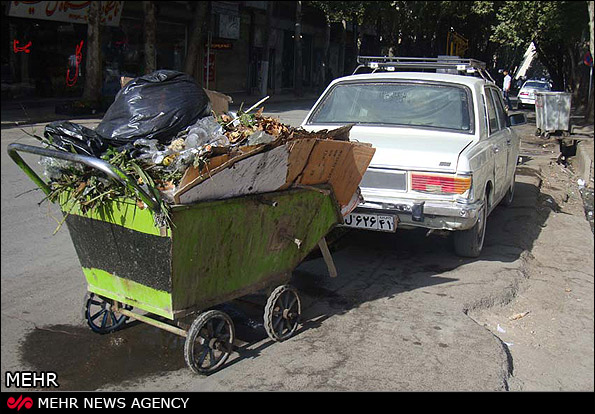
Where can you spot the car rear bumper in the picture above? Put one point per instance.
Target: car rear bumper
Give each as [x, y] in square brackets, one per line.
[527, 101]
[436, 215]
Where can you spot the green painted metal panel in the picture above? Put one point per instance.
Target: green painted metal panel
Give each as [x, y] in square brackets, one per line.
[129, 292]
[221, 249]
[123, 212]
[227, 248]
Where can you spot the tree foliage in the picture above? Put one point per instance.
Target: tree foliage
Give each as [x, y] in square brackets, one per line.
[498, 32]
[557, 28]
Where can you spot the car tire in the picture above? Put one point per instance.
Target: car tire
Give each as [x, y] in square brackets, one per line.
[469, 243]
[519, 106]
[509, 196]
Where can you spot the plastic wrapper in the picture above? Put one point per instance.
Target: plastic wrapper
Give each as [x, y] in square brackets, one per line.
[206, 131]
[260, 137]
[69, 136]
[54, 168]
[192, 141]
[155, 106]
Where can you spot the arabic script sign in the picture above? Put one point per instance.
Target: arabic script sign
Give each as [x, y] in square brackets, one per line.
[66, 11]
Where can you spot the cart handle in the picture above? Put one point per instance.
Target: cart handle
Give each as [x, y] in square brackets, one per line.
[92, 162]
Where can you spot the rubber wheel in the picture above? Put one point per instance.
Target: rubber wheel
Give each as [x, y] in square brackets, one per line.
[509, 196]
[100, 317]
[538, 132]
[546, 135]
[282, 313]
[469, 243]
[209, 342]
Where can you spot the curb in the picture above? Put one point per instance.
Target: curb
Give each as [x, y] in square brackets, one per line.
[583, 162]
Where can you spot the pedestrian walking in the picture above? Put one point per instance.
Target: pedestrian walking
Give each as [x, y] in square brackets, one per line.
[506, 88]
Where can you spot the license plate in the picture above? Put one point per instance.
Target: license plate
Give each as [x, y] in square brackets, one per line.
[371, 222]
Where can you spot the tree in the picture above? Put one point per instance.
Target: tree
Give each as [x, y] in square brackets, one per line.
[556, 29]
[264, 65]
[591, 6]
[92, 86]
[196, 41]
[150, 29]
[339, 12]
[297, 85]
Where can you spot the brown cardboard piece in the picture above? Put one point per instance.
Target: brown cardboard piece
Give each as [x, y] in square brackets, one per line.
[124, 80]
[341, 164]
[193, 177]
[219, 101]
[311, 161]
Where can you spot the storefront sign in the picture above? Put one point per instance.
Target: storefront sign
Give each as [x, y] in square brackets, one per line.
[74, 60]
[220, 45]
[66, 11]
[16, 48]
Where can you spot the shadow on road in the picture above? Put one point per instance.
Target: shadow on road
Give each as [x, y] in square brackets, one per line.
[371, 266]
[378, 265]
[382, 265]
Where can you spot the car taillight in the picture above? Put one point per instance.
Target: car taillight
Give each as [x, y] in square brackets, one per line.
[524, 93]
[440, 184]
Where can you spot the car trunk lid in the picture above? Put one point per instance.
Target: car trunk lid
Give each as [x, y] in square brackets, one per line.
[410, 148]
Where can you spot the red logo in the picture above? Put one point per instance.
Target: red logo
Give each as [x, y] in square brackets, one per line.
[27, 402]
[18, 49]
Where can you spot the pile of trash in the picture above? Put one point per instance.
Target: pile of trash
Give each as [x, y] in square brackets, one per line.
[162, 131]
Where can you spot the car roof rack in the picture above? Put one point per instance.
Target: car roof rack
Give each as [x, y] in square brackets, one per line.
[441, 64]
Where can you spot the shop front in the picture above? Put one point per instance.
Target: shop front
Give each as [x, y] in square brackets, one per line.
[44, 45]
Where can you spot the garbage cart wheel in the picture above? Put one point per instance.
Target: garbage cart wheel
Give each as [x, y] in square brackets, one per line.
[282, 313]
[209, 342]
[100, 316]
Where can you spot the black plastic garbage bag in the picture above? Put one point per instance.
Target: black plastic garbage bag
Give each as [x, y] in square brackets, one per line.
[155, 106]
[69, 136]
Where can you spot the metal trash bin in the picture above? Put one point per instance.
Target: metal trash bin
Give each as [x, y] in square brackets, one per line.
[552, 113]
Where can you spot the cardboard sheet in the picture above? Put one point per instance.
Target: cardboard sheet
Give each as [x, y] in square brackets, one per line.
[307, 161]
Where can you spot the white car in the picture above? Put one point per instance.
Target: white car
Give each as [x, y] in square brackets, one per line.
[527, 92]
[445, 152]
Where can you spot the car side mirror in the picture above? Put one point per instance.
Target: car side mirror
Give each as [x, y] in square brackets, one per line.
[517, 119]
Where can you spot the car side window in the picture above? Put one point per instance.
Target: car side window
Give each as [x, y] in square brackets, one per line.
[492, 116]
[502, 118]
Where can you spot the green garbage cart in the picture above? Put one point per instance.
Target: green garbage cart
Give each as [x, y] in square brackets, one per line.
[213, 252]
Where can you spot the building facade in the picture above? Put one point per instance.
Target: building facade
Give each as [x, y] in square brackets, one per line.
[44, 45]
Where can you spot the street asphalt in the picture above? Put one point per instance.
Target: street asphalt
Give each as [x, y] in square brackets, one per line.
[404, 314]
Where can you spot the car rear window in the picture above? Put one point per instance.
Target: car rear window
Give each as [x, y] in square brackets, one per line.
[397, 103]
[539, 85]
